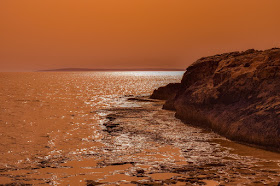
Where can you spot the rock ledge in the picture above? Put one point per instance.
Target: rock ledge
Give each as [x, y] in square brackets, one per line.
[236, 94]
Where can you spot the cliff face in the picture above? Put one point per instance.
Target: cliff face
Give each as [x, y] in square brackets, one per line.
[236, 94]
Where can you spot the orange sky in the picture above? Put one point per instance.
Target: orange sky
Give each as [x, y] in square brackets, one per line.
[43, 34]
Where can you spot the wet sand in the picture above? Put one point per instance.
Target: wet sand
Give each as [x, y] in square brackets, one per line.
[142, 144]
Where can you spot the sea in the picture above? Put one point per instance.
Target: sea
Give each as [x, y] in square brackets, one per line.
[101, 128]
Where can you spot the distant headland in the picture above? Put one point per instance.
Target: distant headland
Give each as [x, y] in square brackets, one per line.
[89, 69]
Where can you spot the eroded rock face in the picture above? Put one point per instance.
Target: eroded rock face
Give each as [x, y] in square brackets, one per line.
[236, 94]
[167, 92]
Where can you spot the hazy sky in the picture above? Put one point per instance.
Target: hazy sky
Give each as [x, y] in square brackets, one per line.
[43, 34]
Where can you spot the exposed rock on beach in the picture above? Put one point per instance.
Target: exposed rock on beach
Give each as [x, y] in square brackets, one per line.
[235, 94]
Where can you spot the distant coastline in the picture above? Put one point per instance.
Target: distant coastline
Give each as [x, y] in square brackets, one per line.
[89, 69]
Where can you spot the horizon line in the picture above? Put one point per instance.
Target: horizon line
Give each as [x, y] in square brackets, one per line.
[106, 69]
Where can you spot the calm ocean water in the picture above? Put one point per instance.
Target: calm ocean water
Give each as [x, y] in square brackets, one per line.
[44, 114]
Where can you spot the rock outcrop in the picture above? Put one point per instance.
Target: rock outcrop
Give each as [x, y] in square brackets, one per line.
[236, 94]
[167, 92]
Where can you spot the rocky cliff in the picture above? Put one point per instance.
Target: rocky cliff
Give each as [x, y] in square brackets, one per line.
[236, 94]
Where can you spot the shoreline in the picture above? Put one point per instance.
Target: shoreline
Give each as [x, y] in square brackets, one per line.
[143, 144]
[231, 139]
